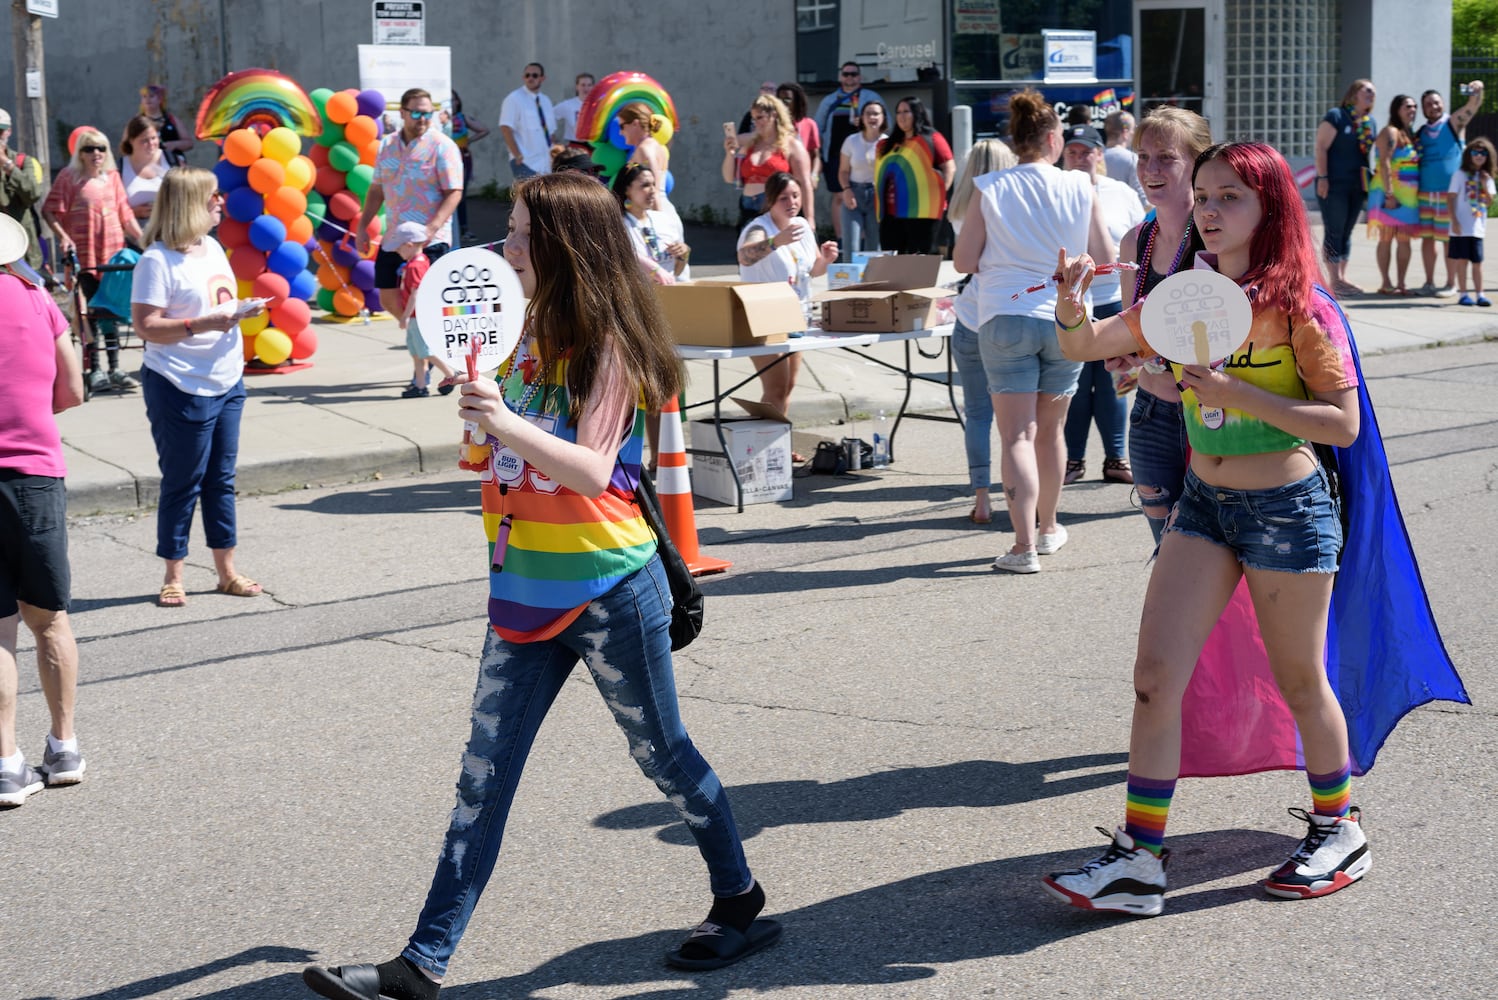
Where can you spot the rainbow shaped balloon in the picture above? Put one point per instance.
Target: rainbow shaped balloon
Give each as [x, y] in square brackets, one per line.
[614, 92]
[907, 181]
[261, 99]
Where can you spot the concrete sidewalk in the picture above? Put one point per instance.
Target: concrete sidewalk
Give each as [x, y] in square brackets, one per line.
[343, 419]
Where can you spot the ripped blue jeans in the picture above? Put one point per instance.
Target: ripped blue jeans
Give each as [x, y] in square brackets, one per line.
[622, 637]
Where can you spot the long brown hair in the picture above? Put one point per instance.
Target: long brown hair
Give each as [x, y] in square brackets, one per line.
[592, 302]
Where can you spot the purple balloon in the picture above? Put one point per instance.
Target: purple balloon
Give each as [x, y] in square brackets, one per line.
[330, 231]
[344, 254]
[304, 285]
[379, 126]
[363, 275]
[372, 301]
[371, 103]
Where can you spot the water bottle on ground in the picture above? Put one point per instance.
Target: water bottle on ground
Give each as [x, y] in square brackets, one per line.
[881, 441]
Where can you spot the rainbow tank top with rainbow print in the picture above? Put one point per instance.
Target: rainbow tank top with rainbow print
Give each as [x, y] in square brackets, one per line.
[552, 550]
[1404, 184]
[907, 179]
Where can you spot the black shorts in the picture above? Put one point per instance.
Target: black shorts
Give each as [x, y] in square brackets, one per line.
[1465, 248]
[33, 542]
[829, 176]
[388, 264]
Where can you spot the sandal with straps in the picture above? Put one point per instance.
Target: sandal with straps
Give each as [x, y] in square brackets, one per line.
[172, 596]
[1116, 470]
[240, 586]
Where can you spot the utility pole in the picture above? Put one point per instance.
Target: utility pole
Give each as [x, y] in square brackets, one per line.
[30, 112]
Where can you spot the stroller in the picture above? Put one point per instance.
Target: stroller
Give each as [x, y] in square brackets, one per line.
[100, 300]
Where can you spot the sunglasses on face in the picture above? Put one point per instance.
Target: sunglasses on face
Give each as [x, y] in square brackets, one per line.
[851, 72]
[420, 116]
[1479, 152]
[533, 76]
[93, 149]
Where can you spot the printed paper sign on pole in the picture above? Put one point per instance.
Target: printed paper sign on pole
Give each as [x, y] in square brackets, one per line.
[400, 22]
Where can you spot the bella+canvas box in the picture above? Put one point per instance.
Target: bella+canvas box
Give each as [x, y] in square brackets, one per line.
[896, 293]
[731, 313]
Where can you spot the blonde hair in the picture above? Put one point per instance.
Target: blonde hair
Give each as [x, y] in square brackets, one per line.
[986, 157]
[785, 131]
[93, 137]
[180, 216]
[1184, 128]
[639, 111]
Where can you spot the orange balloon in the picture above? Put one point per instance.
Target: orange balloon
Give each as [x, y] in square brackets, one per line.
[348, 302]
[242, 147]
[300, 173]
[299, 230]
[266, 175]
[332, 277]
[360, 131]
[369, 152]
[249, 347]
[341, 109]
[286, 204]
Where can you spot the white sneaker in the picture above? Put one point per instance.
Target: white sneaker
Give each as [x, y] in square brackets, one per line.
[1018, 562]
[18, 786]
[1123, 879]
[1333, 856]
[1047, 544]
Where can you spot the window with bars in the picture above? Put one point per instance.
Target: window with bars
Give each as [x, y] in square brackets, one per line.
[1281, 72]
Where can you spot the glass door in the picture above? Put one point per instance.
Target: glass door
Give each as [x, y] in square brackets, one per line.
[1179, 56]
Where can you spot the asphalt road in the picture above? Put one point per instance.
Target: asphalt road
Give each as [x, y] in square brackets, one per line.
[910, 740]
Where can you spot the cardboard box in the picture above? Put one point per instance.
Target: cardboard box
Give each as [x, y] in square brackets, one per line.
[897, 293]
[842, 275]
[761, 451]
[864, 256]
[731, 313]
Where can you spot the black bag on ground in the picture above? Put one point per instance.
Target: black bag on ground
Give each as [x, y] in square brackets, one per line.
[686, 596]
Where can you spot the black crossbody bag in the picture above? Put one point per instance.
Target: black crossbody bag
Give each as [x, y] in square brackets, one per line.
[686, 597]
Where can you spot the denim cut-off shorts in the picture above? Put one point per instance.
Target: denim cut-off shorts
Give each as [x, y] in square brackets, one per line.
[1022, 354]
[1295, 528]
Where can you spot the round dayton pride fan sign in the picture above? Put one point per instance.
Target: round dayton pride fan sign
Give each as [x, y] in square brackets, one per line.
[471, 297]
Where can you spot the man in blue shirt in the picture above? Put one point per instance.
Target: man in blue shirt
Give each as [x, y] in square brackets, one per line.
[837, 118]
[1441, 140]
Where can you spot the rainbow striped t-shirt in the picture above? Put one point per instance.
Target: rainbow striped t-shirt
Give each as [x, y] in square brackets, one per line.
[562, 549]
[908, 178]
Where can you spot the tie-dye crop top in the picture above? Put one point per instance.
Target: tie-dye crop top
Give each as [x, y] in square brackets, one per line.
[1289, 357]
[560, 550]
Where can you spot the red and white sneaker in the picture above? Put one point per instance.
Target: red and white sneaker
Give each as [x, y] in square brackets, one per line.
[1125, 878]
[1333, 856]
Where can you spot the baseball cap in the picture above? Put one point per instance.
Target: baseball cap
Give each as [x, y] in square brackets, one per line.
[1085, 135]
[13, 241]
[4, 118]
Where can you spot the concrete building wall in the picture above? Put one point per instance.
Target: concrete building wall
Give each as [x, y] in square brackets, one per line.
[1403, 46]
[709, 56]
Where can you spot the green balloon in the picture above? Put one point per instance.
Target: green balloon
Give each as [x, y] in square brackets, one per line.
[332, 134]
[359, 179]
[317, 208]
[343, 157]
[608, 158]
[319, 99]
[325, 299]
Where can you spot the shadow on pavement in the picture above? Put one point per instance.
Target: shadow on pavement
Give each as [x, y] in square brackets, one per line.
[901, 931]
[275, 986]
[406, 497]
[970, 784]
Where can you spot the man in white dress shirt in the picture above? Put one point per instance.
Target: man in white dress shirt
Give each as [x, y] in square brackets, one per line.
[527, 122]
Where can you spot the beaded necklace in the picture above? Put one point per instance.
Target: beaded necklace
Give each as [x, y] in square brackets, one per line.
[531, 386]
[1478, 196]
[1149, 252]
[1365, 129]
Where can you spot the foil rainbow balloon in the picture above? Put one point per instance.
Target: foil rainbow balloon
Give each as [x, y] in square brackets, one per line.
[612, 93]
[261, 99]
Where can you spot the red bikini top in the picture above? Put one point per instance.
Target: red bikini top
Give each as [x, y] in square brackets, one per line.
[752, 173]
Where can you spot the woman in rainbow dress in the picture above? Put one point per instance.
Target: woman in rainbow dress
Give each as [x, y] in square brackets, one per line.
[913, 174]
[1393, 197]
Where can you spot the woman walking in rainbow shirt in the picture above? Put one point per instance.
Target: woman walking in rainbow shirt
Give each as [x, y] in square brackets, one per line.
[574, 576]
[1257, 506]
[914, 171]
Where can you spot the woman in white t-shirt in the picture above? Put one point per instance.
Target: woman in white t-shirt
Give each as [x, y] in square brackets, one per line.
[183, 306]
[143, 163]
[1028, 211]
[656, 235]
[782, 246]
[855, 173]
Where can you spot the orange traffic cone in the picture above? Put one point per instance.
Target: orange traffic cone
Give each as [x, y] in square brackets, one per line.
[673, 485]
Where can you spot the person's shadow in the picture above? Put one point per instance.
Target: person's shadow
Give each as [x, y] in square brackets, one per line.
[970, 784]
[900, 932]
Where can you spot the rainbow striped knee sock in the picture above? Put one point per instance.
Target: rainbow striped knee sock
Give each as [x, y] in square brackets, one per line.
[1145, 811]
[1331, 794]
